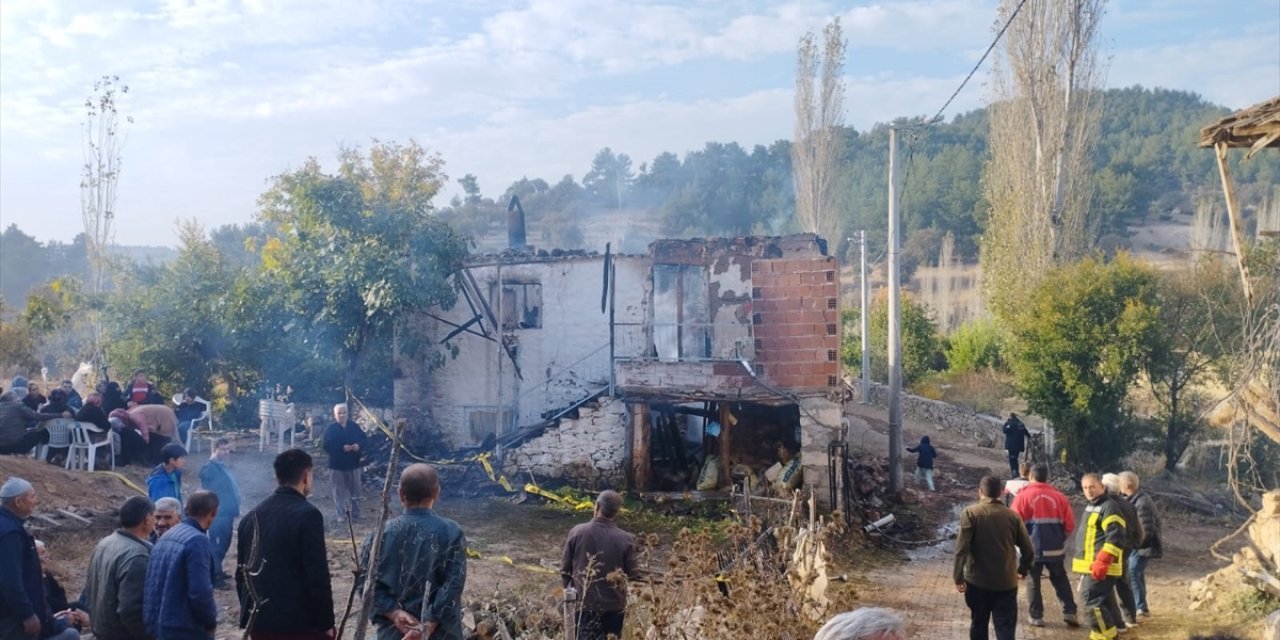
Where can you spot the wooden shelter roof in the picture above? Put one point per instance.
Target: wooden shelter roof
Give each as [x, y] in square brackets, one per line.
[1256, 127]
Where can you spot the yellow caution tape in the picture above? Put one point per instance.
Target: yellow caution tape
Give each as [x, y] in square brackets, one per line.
[129, 483]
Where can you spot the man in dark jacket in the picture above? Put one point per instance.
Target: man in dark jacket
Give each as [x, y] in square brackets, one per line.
[23, 609]
[73, 397]
[1050, 521]
[117, 575]
[925, 454]
[177, 603]
[1015, 441]
[987, 565]
[593, 551]
[1099, 554]
[282, 577]
[215, 476]
[422, 566]
[18, 432]
[1151, 545]
[343, 440]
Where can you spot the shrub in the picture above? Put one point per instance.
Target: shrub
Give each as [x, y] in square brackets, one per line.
[974, 346]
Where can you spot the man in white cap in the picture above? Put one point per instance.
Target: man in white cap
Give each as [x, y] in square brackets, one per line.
[23, 610]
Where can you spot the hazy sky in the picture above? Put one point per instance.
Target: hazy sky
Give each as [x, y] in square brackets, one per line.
[227, 93]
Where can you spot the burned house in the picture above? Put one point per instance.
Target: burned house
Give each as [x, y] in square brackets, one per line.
[611, 368]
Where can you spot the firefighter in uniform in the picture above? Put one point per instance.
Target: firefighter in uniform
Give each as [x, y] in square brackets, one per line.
[1100, 543]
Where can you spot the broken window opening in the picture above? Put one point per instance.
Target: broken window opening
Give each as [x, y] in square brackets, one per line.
[521, 304]
[681, 312]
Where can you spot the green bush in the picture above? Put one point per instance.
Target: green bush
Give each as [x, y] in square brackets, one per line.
[921, 349]
[974, 346]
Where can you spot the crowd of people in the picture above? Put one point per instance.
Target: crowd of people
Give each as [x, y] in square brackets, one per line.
[134, 417]
[999, 545]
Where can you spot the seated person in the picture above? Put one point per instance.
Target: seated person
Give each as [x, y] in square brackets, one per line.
[34, 399]
[57, 405]
[140, 391]
[187, 411]
[787, 475]
[73, 397]
[92, 412]
[18, 429]
[112, 397]
[160, 422]
[135, 438]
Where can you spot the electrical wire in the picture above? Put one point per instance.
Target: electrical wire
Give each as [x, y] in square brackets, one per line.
[916, 130]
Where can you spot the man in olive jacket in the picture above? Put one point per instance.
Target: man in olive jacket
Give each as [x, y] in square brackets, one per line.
[987, 567]
[283, 572]
[118, 574]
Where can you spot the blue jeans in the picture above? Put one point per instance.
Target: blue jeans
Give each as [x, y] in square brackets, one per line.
[183, 427]
[928, 476]
[1138, 580]
[220, 536]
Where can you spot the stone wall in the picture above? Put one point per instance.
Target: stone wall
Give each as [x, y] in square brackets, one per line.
[819, 427]
[948, 417]
[589, 450]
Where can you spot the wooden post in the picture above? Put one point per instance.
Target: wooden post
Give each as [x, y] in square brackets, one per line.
[1233, 215]
[726, 478]
[375, 545]
[641, 443]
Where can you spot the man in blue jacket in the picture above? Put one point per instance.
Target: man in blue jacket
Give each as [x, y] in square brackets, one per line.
[165, 480]
[23, 608]
[177, 603]
[215, 476]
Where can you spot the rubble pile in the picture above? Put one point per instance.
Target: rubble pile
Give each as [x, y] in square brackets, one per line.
[1254, 566]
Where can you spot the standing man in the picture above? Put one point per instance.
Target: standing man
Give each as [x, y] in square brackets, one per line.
[343, 440]
[118, 575]
[987, 565]
[1047, 514]
[282, 577]
[1151, 545]
[1126, 611]
[177, 602]
[1099, 554]
[23, 609]
[1015, 441]
[168, 515]
[422, 566]
[593, 551]
[165, 480]
[216, 477]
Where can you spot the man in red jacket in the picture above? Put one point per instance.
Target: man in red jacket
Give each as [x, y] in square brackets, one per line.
[1050, 522]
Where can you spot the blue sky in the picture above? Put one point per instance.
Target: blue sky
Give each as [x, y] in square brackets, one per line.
[226, 93]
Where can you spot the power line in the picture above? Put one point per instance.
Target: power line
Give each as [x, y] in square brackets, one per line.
[916, 130]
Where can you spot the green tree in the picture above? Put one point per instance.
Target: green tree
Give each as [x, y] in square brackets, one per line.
[920, 346]
[609, 180]
[357, 249]
[1078, 345]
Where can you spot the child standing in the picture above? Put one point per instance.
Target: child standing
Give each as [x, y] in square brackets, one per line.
[924, 460]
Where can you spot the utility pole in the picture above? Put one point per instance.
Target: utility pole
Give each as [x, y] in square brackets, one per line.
[502, 334]
[866, 319]
[895, 341]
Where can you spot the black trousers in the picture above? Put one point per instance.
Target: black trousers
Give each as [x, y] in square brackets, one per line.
[1061, 586]
[27, 442]
[600, 625]
[997, 607]
[1124, 592]
[1096, 595]
[1013, 463]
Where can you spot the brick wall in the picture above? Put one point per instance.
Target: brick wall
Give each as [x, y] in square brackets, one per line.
[795, 310]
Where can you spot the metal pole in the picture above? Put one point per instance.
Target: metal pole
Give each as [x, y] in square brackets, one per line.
[895, 343]
[613, 297]
[866, 320]
[502, 333]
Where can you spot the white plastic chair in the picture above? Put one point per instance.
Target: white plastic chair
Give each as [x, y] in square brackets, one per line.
[206, 418]
[83, 445]
[59, 437]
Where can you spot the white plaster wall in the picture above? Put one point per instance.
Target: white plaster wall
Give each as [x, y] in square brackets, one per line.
[589, 448]
[573, 331]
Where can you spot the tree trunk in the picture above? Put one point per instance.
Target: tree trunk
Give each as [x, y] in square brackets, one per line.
[1172, 452]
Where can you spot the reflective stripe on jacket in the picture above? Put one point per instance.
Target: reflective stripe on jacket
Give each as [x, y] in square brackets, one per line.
[1103, 529]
